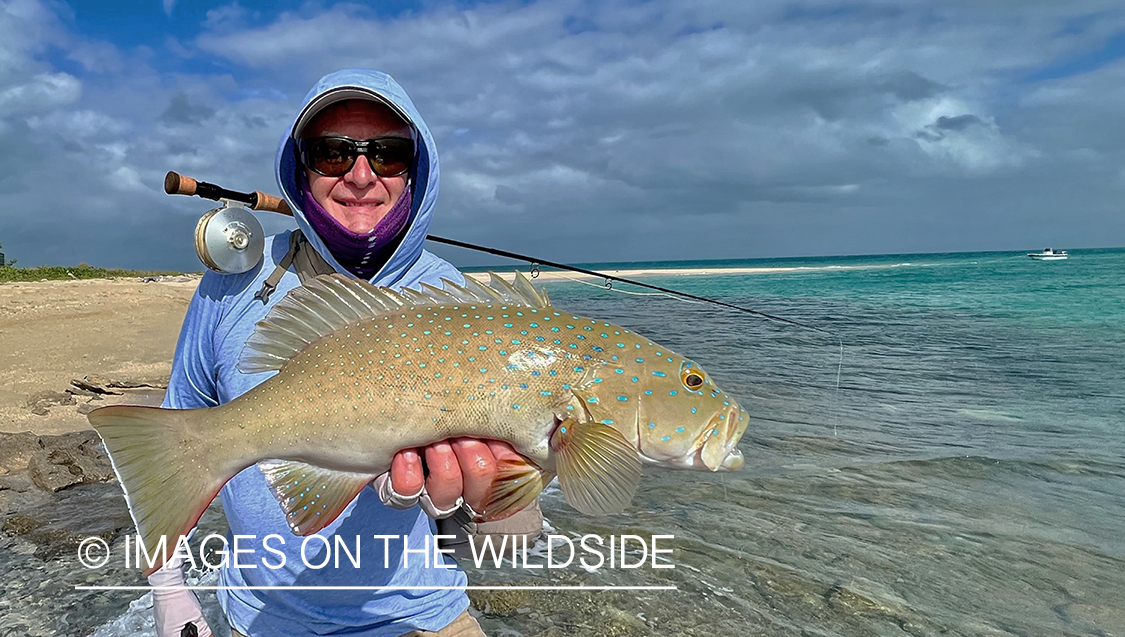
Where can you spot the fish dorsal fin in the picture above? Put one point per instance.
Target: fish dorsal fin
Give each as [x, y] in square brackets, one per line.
[438, 294]
[528, 291]
[331, 302]
[319, 307]
[503, 288]
[519, 290]
[416, 298]
[483, 292]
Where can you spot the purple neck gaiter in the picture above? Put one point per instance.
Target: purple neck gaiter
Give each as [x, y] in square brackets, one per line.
[360, 254]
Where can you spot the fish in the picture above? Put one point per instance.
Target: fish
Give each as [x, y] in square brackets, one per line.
[364, 372]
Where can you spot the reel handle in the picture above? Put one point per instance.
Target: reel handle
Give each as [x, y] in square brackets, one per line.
[177, 184]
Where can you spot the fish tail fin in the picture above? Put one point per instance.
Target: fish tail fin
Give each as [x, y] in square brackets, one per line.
[160, 463]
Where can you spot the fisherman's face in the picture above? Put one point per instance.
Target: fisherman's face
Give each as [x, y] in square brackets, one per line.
[359, 199]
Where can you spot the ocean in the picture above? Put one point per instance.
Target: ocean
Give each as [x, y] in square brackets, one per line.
[950, 460]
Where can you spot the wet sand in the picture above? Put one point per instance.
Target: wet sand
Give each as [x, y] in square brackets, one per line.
[53, 332]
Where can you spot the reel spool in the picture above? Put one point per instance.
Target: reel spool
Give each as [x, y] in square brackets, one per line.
[229, 239]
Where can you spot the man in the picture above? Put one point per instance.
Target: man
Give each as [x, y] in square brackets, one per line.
[359, 169]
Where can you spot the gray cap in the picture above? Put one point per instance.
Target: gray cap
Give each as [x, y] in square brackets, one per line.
[339, 94]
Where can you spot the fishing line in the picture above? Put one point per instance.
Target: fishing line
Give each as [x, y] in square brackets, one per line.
[619, 290]
[681, 296]
[610, 277]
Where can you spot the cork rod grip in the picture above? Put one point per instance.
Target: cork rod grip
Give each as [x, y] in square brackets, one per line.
[263, 201]
[177, 184]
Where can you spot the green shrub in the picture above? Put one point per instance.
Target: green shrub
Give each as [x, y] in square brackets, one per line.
[81, 271]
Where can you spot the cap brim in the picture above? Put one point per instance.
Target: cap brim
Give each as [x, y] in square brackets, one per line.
[340, 94]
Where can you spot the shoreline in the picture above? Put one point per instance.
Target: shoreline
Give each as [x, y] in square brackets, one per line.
[114, 331]
[562, 275]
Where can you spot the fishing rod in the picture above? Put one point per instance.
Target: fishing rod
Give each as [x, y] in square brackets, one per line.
[225, 240]
[610, 277]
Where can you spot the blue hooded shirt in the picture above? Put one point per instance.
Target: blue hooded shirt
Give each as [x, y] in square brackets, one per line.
[219, 321]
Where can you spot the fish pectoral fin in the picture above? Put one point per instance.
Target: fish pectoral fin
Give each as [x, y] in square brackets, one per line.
[599, 469]
[517, 484]
[312, 497]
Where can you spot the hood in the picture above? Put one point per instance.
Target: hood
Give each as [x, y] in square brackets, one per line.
[425, 170]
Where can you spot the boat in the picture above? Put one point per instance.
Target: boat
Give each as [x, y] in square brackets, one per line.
[1048, 255]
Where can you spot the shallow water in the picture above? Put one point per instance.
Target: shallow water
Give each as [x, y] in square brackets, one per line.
[968, 478]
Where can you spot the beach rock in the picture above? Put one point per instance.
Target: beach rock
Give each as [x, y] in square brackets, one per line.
[69, 459]
[19, 493]
[93, 386]
[127, 383]
[41, 402]
[58, 525]
[16, 450]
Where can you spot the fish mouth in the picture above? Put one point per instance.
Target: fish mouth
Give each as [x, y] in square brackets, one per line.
[733, 461]
[714, 448]
[718, 450]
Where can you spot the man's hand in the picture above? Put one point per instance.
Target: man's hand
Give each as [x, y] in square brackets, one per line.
[451, 472]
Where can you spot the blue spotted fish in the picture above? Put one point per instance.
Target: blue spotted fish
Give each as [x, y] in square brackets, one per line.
[363, 372]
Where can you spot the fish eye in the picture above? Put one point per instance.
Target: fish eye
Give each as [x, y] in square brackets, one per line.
[693, 380]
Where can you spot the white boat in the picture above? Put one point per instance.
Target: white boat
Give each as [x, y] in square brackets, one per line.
[1048, 255]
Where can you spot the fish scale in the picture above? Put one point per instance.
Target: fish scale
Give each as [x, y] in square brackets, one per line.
[502, 371]
[366, 372]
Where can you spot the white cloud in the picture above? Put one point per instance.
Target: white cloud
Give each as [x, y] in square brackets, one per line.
[40, 92]
[950, 129]
[745, 120]
[225, 17]
[77, 124]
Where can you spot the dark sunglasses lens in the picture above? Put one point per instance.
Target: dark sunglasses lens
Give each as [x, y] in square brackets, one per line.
[390, 157]
[331, 157]
[335, 156]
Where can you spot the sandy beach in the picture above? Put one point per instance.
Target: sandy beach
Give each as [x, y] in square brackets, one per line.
[120, 331]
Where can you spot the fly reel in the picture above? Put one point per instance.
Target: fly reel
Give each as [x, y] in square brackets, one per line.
[229, 239]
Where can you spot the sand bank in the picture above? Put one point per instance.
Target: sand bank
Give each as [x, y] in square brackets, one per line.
[556, 275]
[53, 332]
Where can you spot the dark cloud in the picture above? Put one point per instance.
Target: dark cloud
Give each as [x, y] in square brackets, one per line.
[958, 123]
[648, 130]
[182, 111]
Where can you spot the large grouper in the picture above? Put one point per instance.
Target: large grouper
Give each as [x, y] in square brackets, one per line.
[363, 372]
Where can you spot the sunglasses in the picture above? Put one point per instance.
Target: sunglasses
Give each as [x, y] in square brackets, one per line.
[335, 156]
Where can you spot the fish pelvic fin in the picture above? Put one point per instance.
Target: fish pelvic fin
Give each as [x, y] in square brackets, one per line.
[517, 484]
[599, 470]
[312, 497]
[334, 301]
[160, 463]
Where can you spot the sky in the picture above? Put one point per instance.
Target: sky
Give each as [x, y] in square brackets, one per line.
[586, 131]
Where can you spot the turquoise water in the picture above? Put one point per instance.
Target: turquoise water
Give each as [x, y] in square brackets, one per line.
[962, 472]
[967, 477]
